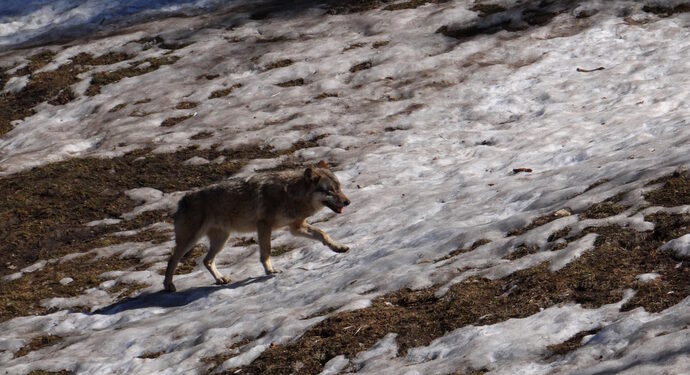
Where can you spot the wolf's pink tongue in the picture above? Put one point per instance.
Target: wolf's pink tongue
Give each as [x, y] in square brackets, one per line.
[342, 209]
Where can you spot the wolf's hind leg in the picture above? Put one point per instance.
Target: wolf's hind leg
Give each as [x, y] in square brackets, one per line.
[217, 238]
[184, 241]
[264, 234]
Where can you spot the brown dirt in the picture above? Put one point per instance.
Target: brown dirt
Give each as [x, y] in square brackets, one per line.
[411, 4]
[51, 86]
[224, 92]
[101, 79]
[459, 251]
[43, 372]
[674, 192]
[37, 343]
[487, 9]
[598, 277]
[361, 66]
[23, 296]
[663, 10]
[117, 107]
[521, 251]
[570, 344]
[602, 210]
[172, 121]
[158, 41]
[325, 95]
[186, 105]
[292, 83]
[380, 44]
[541, 220]
[279, 64]
[202, 135]
[353, 46]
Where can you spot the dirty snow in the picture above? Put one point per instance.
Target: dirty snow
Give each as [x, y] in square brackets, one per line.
[425, 142]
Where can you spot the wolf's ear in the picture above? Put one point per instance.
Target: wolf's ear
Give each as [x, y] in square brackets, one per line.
[310, 175]
[322, 164]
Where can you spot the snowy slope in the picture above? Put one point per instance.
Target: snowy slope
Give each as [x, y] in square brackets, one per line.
[425, 142]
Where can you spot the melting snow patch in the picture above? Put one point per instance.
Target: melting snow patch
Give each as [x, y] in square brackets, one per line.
[647, 277]
[680, 246]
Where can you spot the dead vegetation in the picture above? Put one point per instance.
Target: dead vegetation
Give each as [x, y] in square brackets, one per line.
[279, 64]
[98, 80]
[570, 344]
[37, 343]
[292, 83]
[361, 66]
[186, 105]
[224, 92]
[172, 121]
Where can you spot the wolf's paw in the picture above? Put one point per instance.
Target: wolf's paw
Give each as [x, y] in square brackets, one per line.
[340, 248]
[224, 280]
[169, 287]
[273, 271]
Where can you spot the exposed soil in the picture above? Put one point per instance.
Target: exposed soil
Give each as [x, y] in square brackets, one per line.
[279, 64]
[172, 121]
[674, 192]
[224, 92]
[51, 86]
[361, 66]
[570, 344]
[138, 68]
[459, 251]
[202, 135]
[23, 296]
[541, 220]
[37, 343]
[664, 10]
[186, 105]
[292, 83]
[602, 210]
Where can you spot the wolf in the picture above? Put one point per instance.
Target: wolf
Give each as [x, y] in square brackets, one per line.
[260, 203]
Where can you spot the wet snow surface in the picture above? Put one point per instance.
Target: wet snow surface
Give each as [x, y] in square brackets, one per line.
[425, 136]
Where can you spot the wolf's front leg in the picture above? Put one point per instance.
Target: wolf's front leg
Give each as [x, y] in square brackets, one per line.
[264, 234]
[302, 229]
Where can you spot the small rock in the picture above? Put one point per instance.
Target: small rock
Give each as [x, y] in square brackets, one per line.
[563, 212]
[66, 280]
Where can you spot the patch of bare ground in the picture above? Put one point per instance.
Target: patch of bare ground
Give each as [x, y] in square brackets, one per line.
[380, 44]
[675, 190]
[521, 250]
[137, 68]
[172, 121]
[666, 10]
[202, 135]
[354, 46]
[361, 66]
[278, 64]
[459, 251]
[541, 220]
[37, 343]
[530, 16]
[117, 107]
[189, 260]
[44, 372]
[232, 350]
[151, 355]
[51, 86]
[346, 7]
[598, 277]
[186, 105]
[292, 83]
[602, 210]
[325, 95]
[570, 344]
[23, 296]
[224, 92]
[485, 9]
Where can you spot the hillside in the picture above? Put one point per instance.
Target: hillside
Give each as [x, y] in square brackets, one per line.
[517, 170]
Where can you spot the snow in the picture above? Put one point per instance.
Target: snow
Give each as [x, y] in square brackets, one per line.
[680, 246]
[462, 115]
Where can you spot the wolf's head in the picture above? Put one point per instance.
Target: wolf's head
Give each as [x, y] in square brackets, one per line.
[326, 187]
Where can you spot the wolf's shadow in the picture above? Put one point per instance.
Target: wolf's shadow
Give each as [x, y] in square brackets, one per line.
[177, 299]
